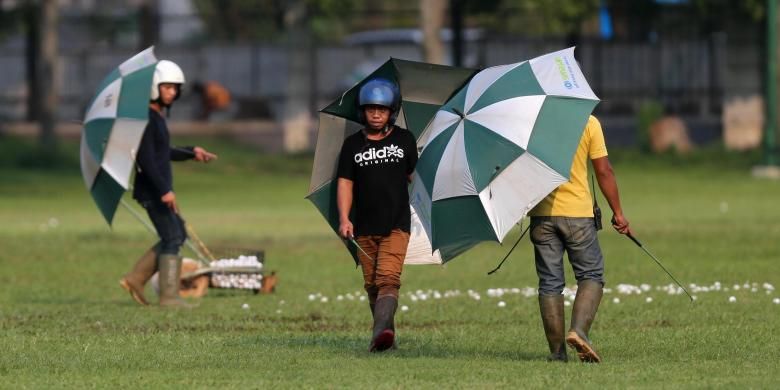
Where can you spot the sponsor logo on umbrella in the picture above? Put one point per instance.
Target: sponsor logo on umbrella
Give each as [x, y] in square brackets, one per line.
[564, 68]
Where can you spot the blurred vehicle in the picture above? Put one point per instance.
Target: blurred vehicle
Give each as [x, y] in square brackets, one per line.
[406, 43]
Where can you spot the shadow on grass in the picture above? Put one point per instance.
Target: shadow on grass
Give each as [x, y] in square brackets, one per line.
[348, 345]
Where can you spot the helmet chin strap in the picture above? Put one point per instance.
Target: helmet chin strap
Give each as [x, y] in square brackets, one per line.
[383, 130]
[163, 106]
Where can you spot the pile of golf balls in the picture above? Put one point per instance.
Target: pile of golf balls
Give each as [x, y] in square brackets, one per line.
[241, 261]
[224, 278]
[228, 280]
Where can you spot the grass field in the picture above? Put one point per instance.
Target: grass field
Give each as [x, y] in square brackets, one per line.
[64, 321]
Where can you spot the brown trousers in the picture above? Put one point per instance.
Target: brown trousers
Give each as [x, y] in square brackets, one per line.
[382, 271]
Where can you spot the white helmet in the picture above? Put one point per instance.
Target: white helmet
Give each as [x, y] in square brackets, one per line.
[166, 72]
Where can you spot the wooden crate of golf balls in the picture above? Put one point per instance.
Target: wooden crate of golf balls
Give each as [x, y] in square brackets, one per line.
[244, 271]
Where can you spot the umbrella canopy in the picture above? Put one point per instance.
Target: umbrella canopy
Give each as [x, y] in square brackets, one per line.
[497, 148]
[424, 88]
[113, 127]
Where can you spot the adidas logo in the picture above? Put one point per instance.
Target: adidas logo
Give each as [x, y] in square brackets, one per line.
[391, 151]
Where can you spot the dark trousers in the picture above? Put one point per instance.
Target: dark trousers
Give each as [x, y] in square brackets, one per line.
[552, 236]
[169, 226]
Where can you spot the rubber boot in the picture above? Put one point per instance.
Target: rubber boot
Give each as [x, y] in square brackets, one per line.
[170, 281]
[135, 280]
[554, 321]
[384, 334]
[586, 303]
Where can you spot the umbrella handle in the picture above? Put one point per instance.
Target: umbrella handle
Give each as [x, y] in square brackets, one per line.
[510, 251]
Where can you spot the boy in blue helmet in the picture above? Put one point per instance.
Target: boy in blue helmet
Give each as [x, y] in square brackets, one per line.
[374, 171]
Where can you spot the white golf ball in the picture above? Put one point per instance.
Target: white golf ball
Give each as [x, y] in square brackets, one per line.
[324, 299]
[616, 300]
[312, 297]
[501, 304]
[776, 301]
[732, 299]
[649, 299]
[404, 308]
[245, 306]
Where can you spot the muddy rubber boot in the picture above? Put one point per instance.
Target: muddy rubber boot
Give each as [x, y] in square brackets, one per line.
[135, 280]
[586, 303]
[170, 282]
[395, 335]
[554, 321]
[383, 335]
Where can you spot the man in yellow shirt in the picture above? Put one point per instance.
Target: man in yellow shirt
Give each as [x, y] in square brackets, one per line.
[564, 221]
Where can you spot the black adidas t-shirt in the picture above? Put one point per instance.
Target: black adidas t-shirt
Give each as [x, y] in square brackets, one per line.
[379, 171]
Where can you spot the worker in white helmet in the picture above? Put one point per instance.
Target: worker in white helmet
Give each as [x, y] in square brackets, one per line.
[153, 189]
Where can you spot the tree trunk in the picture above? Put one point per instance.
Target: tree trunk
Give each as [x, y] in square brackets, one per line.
[456, 26]
[148, 24]
[431, 22]
[31, 17]
[297, 118]
[47, 73]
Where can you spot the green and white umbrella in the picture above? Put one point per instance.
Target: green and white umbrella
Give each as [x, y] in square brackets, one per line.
[113, 127]
[497, 148]
[424, 88]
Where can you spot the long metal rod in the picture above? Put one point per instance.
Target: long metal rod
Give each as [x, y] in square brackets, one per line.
[355, 243]
[639, 244]
[205, 250]
[150, 228]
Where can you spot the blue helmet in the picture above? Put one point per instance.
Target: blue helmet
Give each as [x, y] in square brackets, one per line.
[381, 92]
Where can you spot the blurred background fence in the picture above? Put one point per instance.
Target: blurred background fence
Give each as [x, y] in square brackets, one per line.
[686, 58]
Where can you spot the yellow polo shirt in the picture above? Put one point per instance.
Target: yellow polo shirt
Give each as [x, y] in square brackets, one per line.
[573, 199]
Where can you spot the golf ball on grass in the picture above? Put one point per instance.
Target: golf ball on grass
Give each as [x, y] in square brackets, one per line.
[501, 304]
[616, 300]
[245, 306]
[732, 299]
[776, 301]
[649, 299]
[404, 308]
